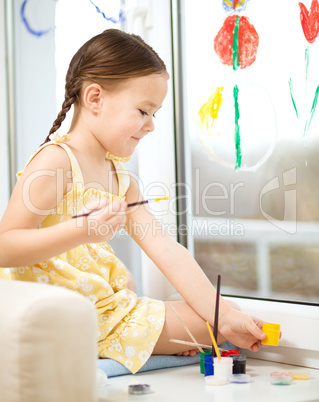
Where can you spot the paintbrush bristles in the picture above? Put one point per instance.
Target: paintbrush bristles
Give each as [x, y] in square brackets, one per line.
[185, 326]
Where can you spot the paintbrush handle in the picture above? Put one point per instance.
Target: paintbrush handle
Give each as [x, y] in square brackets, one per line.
[132, 204]
[197, 345]
[217, 307]
[82, 215]
[213, 340]
[185, 326]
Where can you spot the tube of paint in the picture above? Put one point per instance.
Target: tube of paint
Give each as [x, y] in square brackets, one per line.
[223, 367]
[202, 360]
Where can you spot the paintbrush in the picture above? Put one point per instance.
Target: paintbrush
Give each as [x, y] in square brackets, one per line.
[213, 340]
[197, 345]
[216, 309]
[185, 326]
[133, 204]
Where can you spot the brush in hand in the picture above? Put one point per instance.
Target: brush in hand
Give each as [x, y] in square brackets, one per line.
[133, 204]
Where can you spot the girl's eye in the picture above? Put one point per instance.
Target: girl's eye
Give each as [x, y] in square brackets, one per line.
[143, 113]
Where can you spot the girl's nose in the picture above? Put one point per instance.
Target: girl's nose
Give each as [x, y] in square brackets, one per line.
[149, 125]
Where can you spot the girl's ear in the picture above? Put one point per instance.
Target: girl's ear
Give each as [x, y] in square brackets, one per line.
[92, 97]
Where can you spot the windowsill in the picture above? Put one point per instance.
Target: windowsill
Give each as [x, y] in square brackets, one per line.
[299, 344]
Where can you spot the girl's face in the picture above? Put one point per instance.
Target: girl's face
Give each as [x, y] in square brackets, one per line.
[127, 113]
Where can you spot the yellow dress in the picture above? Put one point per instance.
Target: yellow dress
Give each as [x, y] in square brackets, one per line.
[128, 326]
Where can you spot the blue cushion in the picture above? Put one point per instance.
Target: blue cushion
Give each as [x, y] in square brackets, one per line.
[113, 368]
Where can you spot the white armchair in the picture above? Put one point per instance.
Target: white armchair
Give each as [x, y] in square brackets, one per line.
[48, 344]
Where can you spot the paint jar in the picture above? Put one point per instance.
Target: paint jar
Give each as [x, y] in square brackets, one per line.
[213, 380]
[300, 375]
[277, 378]
[223, 367]
[209, 366]
[202, 360]
[230, 352]
[272, 332]
[239, 366]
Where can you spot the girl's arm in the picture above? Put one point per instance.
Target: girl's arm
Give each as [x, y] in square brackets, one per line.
[186, 276]
[40, 188]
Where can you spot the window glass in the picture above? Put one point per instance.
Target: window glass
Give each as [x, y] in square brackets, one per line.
[251, 77]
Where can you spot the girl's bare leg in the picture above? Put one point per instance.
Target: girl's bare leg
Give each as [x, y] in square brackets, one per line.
[173, 329]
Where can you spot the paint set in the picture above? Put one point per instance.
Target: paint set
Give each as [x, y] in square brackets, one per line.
[284, 378]
[221, 369]
[230, 366]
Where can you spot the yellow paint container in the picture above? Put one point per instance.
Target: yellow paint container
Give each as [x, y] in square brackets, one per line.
[272, 332]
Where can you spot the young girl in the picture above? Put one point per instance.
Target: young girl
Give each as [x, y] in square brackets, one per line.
[116, 83]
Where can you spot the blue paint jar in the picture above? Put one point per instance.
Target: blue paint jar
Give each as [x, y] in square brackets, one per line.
[202, 360]
[209, 365]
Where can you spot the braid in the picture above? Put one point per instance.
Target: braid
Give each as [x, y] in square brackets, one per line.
[72, 86]
[66, 106]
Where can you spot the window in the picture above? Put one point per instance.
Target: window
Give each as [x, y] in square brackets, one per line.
[253, 214]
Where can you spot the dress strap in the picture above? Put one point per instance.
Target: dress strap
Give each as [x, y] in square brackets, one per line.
[122, 174]
[76, 171]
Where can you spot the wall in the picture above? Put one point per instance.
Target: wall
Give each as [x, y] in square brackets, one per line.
[4, 145]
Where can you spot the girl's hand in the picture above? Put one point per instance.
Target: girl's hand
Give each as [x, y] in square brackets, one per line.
[241, 329]
[102, 224]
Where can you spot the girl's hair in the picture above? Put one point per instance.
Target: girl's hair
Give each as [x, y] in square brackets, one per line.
[107, 59]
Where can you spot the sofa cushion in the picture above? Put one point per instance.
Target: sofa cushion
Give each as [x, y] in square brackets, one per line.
[48, 344]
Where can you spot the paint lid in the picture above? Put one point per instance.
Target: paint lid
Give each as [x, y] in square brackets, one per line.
[278, 378]
[139, 389]
[267, 326]
[300, 374]
[230, 352]
[214, 380]
[239, 378]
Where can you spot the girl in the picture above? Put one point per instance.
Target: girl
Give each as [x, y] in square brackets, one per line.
[116, 83]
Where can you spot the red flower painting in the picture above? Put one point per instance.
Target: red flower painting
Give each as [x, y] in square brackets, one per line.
[310, 20]
[243, 46]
